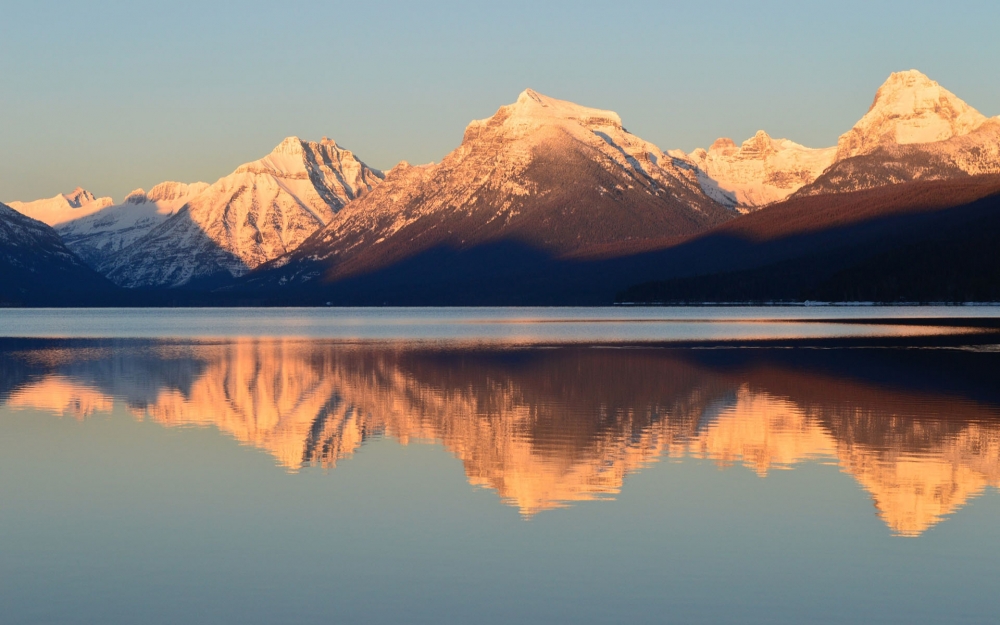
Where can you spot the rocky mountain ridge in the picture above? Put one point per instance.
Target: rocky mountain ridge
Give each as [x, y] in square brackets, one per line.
[63, 207]
[762, 170]
[99, 237]
[915, 129]
[262, 210]
[972, 154]
[543, 176]
[178, 233]
[909, 108]
[547, 174]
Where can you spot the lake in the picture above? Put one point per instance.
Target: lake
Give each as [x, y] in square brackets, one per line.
[608, 465]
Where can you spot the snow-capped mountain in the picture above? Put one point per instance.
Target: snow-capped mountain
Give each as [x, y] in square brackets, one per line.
[179, 233]
[63, 207]
[966, 155]
[547, 174]
[548, 179]
[36, 267]
[762, 170]
[262, 210]
[909, 108]
[99, 236]
[915, 129]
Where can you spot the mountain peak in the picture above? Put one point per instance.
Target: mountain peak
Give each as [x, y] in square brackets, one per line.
[530, 103]
[909, 108]
[762, 170]
[722, 143]
[63, 207]
[136, 197]
[295, 158]
[78, 197]
[758, 145]
[262, 210]
[908, 78]
[530, 95]
[289, 145]
[286, 159]
[295, 146]
[533, 111]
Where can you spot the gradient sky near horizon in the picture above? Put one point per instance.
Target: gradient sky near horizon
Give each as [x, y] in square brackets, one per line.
[113, 96]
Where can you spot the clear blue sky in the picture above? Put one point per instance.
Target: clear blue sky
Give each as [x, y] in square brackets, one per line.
[117, 95]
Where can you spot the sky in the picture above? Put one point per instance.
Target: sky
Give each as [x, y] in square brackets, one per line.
[113, 96]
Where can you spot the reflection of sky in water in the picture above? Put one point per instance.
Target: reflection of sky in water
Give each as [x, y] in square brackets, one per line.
[519, 325]
[739, 485]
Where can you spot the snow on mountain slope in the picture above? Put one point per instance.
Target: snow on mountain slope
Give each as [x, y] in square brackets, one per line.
[259, 212]
[975, 153]
[97, 237]
[549, 174]
[914, 129]
[63, 207]
[909, 108]
[762, 170]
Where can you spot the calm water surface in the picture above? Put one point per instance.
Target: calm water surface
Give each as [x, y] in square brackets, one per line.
[801, 465]
[491, 325]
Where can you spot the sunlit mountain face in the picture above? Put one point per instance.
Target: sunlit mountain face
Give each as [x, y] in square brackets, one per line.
[919, 430]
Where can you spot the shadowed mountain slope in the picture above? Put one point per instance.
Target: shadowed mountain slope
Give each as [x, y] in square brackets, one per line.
[98, 238]
[541, 177]
[921, 241]
[180, 234]
[549, 202]
[815, 237]
[36, 268]
[262, 210]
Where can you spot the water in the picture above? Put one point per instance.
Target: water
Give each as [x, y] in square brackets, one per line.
[490, 325]
[494, 466]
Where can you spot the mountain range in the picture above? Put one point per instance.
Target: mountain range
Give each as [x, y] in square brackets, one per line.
[551, 202]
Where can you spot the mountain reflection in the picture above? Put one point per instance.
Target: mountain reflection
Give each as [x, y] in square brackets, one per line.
[546, 428]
